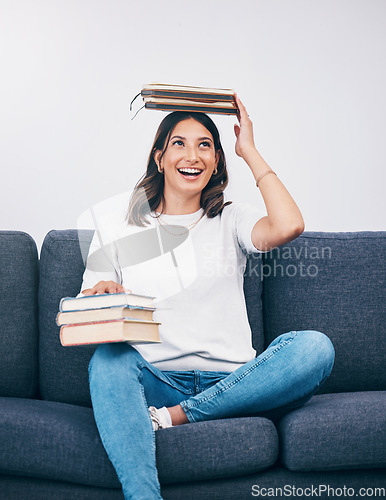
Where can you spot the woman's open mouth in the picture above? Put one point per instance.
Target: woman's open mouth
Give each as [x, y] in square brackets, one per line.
[190, 173]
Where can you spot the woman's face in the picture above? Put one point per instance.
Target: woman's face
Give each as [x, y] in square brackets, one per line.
[189, 159]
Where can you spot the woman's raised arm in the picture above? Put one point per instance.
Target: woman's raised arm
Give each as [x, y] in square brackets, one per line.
[284, 221]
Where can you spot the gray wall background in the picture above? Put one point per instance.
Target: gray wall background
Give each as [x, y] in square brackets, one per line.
[311, 74]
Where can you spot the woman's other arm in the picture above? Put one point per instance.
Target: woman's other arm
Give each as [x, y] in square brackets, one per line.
[102, 273]
[284, 221]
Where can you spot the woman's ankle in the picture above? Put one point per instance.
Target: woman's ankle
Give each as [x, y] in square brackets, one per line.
[178, 415]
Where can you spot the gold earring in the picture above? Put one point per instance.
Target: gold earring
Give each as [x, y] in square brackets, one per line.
[215, 172]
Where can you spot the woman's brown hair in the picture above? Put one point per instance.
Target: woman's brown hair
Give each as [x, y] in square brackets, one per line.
[148, 192]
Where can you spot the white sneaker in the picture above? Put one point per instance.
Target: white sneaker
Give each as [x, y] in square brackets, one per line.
[160, 418]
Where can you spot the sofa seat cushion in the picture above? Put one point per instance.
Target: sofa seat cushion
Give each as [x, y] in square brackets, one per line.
[336, 431]
[59, 441]
[216, 449]
[52, 441]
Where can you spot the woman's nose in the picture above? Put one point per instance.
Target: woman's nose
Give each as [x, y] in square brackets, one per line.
[191, 154]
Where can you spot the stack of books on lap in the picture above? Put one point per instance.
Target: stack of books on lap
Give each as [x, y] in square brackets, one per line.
[183, 98]
[108, 317]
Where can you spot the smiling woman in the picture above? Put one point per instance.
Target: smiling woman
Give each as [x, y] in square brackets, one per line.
[188, 163]
[205, 368]
[184, 141]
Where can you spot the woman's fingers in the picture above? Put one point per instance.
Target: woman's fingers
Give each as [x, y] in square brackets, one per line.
[106, 287]
[242, 109]
[237, 100]
[238, 109]
[244, 131]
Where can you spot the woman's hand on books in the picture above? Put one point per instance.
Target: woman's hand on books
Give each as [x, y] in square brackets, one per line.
[105, 287]
[245, 144]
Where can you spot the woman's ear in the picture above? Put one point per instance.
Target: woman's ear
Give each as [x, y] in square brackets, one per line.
[217, 157]
[157, 156]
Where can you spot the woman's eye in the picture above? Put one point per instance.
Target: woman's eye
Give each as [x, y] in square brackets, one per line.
[206, 143]
[178, 142]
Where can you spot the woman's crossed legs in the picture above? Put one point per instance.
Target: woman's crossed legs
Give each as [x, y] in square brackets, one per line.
[123, 385]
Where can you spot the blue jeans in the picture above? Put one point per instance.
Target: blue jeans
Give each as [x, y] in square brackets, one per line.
[123, 385]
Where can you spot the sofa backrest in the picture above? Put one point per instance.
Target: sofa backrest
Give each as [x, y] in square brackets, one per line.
[63, 372]
[330, 282]
[18, 315]
[333, 283]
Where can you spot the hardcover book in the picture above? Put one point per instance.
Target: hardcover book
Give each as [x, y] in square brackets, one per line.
[104, 314]
[167, 97]
[134, 331]
[104, 300]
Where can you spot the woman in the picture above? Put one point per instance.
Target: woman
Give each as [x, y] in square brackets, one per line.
[205, 367]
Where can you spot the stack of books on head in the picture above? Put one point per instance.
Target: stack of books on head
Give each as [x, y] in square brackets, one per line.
[108, 317]
[183, 98]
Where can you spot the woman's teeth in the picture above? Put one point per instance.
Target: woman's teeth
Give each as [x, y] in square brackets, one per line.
[190, 171]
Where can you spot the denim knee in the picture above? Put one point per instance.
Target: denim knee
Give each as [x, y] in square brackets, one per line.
[319, 343]
[113, 357]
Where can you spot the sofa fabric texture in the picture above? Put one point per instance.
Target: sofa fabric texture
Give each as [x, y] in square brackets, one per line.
[18, 315]
[334, 283]
[337, 429]
[49, 443]
[63, 371]
[31, 430]
[232, 488]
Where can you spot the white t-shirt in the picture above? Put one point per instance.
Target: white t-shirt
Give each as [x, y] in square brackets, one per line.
[196, 276]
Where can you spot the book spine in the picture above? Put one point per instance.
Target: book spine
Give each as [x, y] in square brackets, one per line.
[185, 88]
[80, 343]
[122, 320]
[115, 312]
[58, 319]
[113, 341]
[202, 109]
[187, 95]
[83, 300]
[62, 301]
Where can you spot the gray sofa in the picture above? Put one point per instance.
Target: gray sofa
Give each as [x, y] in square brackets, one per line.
[331, 282]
